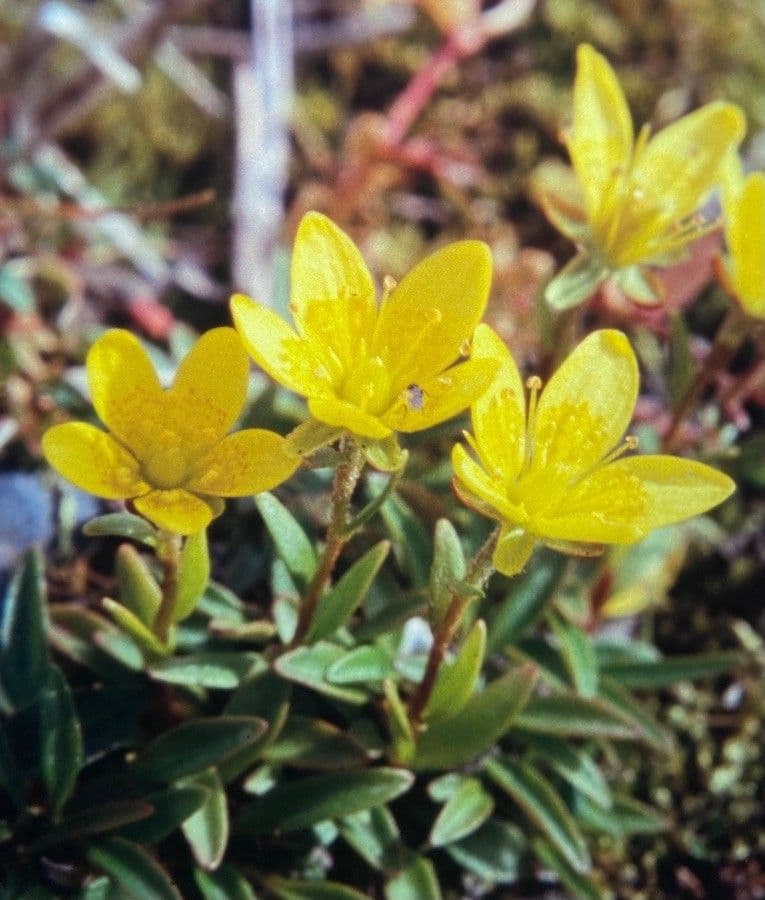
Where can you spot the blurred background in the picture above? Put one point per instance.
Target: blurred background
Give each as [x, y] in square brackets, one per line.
[155, 156]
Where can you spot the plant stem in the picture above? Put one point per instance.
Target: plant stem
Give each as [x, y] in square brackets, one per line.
[479, 571]
[730, 335]
[169, 553]
[346, 478]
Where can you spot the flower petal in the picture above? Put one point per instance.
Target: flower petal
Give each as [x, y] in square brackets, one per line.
[601, 139]
[210, 388]
[332, 293]
[499, 415]
[175, 510]
[341, 414]
[440, 398]
[426, 320]
[587, 405]
[513, 550]
[470, 475]
[246, 462]
[93, 460]
[124, 388]
[277, 349]
[745, 235]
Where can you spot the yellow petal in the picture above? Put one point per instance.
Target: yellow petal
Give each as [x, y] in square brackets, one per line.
[513, 550]
[276, 348]
[124, 388]
[676, 489]
[440, 398]
[673, 176]
[93, 460]
[246, 462]
[479, 483]
[175, 510]
[341, 414]
[587, 405]
[745, 234]
[499, 415]
[332, 293]
[601, 139]
[433, 312]
[210, 388]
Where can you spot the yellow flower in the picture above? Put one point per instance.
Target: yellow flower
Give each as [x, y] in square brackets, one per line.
[554, 473]
[744, 210]
[632, 202]
[367, 369]
[168, 452]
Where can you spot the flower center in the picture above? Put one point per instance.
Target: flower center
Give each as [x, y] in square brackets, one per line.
[166, 468]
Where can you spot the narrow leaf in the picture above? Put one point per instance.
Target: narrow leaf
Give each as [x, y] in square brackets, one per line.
[61, 752]
[207, 829]
[309, 665]
[129, 622]
[211, 669]
[573, 765]
[138, 589]
[292, 889]
[124, 525]
[170, 808]
[292, 543]
[627, 706]
[541, 803]
[493, 852]
[224, 884]
[417, 882]
[193, 575]
[568, 715]
[666, 672]
[578, 656]
[303, 803]
[374, 835]
[339, 604]
[362, 664]
[447, 571]
[581, 886]
[466, 810]
[136, 873]
[457, 678]
[314, 744]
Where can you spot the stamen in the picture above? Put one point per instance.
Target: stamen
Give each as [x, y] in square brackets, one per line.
[629, 443]
[389, 285]
[534, 386]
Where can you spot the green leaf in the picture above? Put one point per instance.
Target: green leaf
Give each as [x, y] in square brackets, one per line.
[193, 575]
[207, 829]
[149, 643]
[362, 664]
[93, 820]
[314, 744]
[411, 541]
[221, 604]
[573, 765]
[339, 604]
[124, 525]
[399, 726]
[374, 835]
[386, 455]
[224, 884]
[750, 463]
[307, 801]
[682, 366]
[581, 886]
[465, 811]
[578, 656]
[171, 808]
[309, 665]
[291, 889]
[456, 679]
[666, 672]
[196, 745]
[10, 777]
[417, 882]
[526, 600]
[310, 436]
[61, 753]
[447, 571]
[138, 589]
[292, 543]
[222, 669]
[626, 818]
[24, 653]
[632, 711]
[485, 718]
[568, 715]
[15, 290]
[136, 873]
[493, 852]
[576, 282]
[543, 806]
[94, 642]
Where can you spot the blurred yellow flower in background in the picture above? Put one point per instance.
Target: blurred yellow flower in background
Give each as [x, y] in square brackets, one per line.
[629, 202]
[373, 370]
[553, 472]
[168, 451]
[744, 211]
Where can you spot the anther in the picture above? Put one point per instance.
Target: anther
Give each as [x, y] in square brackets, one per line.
[389, 285]
[534, 386]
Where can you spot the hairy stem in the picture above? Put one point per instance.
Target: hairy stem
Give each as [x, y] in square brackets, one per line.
[479, 571]
[346, 478]
[169, 553]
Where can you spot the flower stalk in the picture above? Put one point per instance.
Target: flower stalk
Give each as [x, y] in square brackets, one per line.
[480, 569]
[169, 554]
[346, 478]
